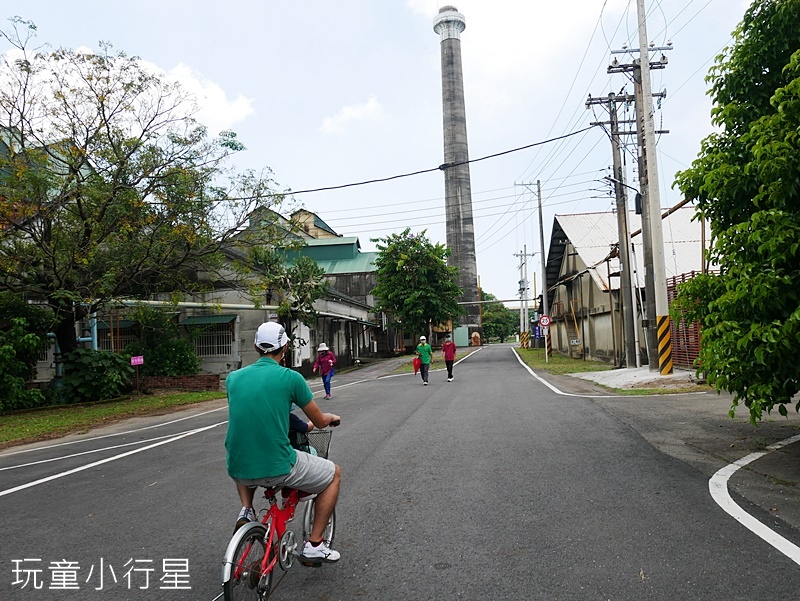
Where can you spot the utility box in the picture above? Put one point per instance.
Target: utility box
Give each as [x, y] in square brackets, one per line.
[461, 336]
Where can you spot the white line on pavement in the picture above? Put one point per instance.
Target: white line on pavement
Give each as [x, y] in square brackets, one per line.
[107, 460]
[116, 446]
[718, 487]
[718, 484]
[583, 396]
[62, 444]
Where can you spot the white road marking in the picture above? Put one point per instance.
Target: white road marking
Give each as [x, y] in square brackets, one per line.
[118, 446]
[718, 484]
[71, 442]
[718, 487]
[106, 460]
[583, 396]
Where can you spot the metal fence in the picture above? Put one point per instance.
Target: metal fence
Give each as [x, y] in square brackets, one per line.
[685, 336]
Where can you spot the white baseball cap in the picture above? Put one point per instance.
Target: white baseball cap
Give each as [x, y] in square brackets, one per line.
[422, 338]
[271, 336]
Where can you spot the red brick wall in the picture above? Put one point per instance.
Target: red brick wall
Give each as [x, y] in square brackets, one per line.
[196, 382]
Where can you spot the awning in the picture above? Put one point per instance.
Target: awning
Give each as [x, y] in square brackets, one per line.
[206, 320]
[117, 324]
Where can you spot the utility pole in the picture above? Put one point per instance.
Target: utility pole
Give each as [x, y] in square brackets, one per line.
[544, 308]
[524, 320]
[548, 348]
[656, 322]
[650, 169]
[626, 268]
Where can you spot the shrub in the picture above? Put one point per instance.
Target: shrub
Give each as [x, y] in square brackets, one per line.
[17, 345]
[95, 375]
[165, 352]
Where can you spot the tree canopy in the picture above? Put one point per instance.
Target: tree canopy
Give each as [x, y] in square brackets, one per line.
[414, 282]
[109, 188]
[746, 180]
[498, 321]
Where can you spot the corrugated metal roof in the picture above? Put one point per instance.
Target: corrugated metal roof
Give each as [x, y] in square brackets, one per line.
[362, 263]
[204, 320]
[593, 235]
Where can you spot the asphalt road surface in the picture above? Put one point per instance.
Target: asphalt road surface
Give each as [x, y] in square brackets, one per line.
[487, 487]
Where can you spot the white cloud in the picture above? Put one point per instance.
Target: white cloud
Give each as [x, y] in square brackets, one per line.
[216, 110]
[371, 110]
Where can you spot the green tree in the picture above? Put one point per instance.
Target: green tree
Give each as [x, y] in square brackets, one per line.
[414, 282]
[23, 335]
[746, 180]
[165, 351]
[109, 189]
[498, 320]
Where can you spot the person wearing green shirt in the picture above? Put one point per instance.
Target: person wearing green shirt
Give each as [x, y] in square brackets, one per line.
[425, 354]
[258, 451]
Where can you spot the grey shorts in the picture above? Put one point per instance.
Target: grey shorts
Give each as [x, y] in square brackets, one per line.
[309, 473]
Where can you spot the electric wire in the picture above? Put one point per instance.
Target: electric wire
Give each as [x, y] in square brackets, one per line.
[442, 167]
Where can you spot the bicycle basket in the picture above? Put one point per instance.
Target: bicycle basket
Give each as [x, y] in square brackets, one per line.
[321, 441]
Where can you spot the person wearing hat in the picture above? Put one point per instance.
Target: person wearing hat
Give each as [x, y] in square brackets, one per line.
[324, 363]
[258, 451]
[425, 354]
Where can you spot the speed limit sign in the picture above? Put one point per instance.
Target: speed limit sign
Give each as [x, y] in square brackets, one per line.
[544, 321]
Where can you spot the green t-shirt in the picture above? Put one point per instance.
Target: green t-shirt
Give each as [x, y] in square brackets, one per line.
[260, 397]
[424, 351]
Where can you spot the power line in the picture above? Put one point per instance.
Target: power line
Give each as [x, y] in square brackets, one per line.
[440, 167]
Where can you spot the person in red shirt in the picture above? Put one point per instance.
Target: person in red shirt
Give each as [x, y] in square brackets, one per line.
[449, 356]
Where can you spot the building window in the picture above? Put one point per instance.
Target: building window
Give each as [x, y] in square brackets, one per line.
[214, 340]
[213, 335]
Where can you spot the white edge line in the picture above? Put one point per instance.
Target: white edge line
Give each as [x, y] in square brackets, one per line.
[582, 396]
[62, 444]
[107, 460]
[98, 450]
[718, 487]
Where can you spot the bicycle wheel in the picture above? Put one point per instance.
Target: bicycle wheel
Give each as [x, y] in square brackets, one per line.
[246, 580]
[308, 522]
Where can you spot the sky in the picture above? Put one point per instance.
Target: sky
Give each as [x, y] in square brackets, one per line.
[333, 93]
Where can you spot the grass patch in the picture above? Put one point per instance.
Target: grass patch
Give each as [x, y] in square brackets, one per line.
[558, 364]
[52, 422]
[649, 391]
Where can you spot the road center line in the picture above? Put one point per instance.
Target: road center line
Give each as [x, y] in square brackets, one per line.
[107, 460]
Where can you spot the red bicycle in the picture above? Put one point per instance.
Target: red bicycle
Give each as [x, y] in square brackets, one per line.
[258, 547]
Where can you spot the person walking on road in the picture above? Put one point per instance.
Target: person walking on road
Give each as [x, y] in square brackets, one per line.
[257, 445]
[324, 363]
[449, 356]
[425, 354]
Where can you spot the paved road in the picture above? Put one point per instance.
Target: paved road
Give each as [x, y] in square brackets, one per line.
[489, 487]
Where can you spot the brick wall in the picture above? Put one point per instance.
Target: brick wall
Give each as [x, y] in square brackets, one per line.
[196, 382]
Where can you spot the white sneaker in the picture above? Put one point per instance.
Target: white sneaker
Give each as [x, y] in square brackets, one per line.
[449, 379]
[321, 553]
[424, 383]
